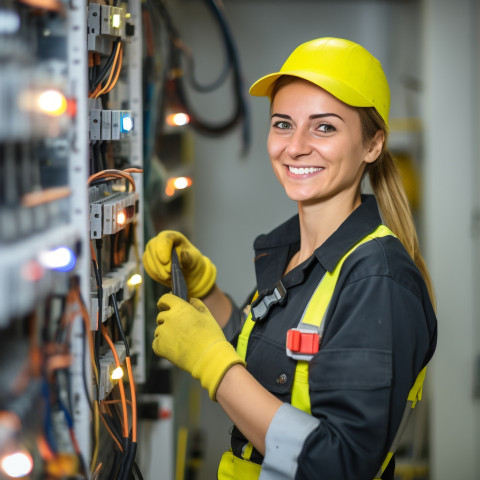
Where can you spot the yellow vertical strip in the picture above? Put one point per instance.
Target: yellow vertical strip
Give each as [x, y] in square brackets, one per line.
[181, 453]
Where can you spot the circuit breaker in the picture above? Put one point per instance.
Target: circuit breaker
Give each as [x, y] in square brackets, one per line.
[71, 236]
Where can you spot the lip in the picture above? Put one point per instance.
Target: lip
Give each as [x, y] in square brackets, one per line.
[300, 169]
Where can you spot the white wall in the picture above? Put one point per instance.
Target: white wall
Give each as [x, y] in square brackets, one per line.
[452, 184]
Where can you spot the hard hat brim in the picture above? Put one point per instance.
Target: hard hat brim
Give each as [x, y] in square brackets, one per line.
[345, 93]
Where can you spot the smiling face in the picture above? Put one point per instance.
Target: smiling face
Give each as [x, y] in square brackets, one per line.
[316, 146]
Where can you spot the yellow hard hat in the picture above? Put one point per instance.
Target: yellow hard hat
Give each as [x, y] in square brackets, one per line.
[341, 67]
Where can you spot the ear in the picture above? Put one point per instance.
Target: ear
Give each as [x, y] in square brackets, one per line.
[374, 147]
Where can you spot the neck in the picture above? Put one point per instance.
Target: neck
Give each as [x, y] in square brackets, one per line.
[318, 221]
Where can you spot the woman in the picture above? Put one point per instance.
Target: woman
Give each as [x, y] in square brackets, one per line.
[343, 322]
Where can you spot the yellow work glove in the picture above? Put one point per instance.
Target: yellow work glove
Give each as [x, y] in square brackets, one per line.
[199, 271]
[189, 336]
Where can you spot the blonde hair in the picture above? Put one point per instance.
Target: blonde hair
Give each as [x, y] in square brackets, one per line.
[387, 186]
[390, 194]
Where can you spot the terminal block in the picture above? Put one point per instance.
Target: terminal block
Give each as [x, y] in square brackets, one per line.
[107, 366]
[120, 282]
[110, 124]
[112, 214]
[104, 24]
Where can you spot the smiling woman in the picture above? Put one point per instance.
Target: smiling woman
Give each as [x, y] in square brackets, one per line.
[317, 152]
[317, 370]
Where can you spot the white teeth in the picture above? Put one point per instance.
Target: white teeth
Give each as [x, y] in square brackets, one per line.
[303, 171]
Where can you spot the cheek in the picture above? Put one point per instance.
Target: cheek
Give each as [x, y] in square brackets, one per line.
[274, 147]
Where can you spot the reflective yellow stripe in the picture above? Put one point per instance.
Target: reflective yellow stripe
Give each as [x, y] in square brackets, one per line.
[234, 468]
[384, 465]
[242, 342]
[314, 314]
[321, 298]
[300, 392]
[415, 394]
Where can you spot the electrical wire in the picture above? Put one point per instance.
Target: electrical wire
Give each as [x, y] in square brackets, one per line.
[120, 381]
[129, 366]
[52, 5]
[174, 78]
[112, 174]
[114, 74]
[132, 446]
[106, 67]
[48, 195]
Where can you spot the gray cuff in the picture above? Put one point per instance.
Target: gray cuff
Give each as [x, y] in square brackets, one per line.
[284, 441]
[234, 322]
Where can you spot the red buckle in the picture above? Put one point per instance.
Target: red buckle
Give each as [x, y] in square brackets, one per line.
[306, 343]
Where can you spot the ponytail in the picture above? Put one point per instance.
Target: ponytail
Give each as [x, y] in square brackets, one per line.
[391, 197]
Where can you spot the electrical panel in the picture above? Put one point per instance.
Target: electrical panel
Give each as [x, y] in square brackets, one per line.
[71, 236]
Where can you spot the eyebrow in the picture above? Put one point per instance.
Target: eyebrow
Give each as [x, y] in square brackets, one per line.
[311, 117]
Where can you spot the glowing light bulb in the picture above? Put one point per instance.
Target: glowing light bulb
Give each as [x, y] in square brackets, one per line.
[135, 279]
[182, 182]
[121, 218]
[177, 119]
[61, 259]
[117, 373]
[177, 183]
[17, 464]
[52, 102]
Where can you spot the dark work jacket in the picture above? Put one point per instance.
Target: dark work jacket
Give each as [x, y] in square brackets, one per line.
[380, 331]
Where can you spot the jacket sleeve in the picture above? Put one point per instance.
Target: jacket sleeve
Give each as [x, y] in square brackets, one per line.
[376, 342]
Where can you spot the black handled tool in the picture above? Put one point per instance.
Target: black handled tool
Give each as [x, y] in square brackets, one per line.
[179, 285]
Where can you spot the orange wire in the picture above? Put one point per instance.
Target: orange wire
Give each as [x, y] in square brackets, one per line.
[119, 68]
[120, 381]
[114, 402]
[117, 53]
[112, 173]
[134, 399]
[115, 439]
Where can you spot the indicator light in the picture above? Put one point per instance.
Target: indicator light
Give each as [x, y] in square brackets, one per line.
[61, 259]
[121, 218]
[116, 20]
[135, 279]
[117, 373]
[177, 183]
[17, 465]
[177, 119]
[52, 102]
[126, 123]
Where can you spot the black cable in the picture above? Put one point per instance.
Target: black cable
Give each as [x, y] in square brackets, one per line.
[96, 349]
[137, 471]
[175, 85]
[106, 67]
[119, 323]
[84, 373]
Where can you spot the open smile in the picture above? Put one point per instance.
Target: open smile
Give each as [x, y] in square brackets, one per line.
[303, 170]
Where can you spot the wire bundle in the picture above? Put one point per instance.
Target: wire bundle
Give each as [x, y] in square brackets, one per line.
[112, 67]
[174, 79]
[114, 419]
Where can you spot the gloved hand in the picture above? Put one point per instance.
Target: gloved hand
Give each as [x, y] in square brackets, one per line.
[189, 336]
[199, 271]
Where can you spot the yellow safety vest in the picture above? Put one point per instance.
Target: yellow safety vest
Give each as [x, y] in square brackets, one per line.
[235, 468]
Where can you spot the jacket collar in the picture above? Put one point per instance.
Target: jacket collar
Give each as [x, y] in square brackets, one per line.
[286, 237]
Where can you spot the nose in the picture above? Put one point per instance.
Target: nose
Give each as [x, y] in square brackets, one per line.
[299, 144]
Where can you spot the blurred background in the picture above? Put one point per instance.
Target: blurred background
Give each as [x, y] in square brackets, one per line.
[124, 118]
